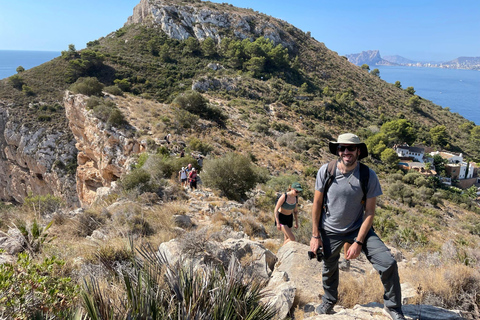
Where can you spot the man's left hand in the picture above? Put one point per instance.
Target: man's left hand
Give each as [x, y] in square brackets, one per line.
[354, 251]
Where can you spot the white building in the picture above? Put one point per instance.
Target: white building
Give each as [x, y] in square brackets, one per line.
[456, 167]
[405, 152]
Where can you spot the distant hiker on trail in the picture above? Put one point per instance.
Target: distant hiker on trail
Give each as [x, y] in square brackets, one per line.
[286, 209]
[193, 179]
[182, 153]
[168, 137]
[183, 175]
[342, 212]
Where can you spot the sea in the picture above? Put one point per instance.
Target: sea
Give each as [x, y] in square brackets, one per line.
[10, 60]
[456, 89]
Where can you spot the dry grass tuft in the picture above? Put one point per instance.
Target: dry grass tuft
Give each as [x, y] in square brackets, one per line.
[354, 290]
[452, 286]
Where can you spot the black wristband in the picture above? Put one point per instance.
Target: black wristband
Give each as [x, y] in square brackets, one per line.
[317, 237]
[358, 242]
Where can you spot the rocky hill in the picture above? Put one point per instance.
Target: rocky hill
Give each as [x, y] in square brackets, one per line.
[399, 60]
[223, 80]
[148, 58]
[370, 57]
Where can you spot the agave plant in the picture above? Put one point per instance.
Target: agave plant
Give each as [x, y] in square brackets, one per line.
[155, 289]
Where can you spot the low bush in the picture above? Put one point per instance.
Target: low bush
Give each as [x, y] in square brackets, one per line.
[89, 221]
[196, 144]
[138, 179]
[184, 119]
[115, 90]
[109, 256]
[43, 204]
[89, 86]
[232, 174]
[107, 111]
[29, 288]
[195, 103]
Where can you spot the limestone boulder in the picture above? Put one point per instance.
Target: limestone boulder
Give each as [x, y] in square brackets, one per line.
[305, 273]
[257, 260]
[12, 242]
[280, 294]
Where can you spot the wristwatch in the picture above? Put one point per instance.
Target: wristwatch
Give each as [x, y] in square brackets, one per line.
[359, 242]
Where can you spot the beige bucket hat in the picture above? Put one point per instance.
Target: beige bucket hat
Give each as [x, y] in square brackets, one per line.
[349, 138]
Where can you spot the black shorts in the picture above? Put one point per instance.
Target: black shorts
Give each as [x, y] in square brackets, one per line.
[285, 219]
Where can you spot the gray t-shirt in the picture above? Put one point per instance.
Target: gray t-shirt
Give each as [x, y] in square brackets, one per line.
[344, 209]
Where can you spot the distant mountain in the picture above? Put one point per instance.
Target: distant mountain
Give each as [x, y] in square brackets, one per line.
[463, 63]
[399, 59]
[370, 57]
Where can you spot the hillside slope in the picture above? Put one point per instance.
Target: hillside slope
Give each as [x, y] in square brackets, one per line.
[267, 90]
[311, 87]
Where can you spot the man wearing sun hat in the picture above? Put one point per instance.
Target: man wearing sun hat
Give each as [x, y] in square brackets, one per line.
[342, 216]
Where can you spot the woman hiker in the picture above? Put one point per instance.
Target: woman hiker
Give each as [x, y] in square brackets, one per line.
[286, 209]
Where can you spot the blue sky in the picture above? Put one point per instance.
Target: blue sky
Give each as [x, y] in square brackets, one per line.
[432, 30]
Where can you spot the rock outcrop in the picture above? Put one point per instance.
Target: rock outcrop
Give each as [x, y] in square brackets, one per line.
[180, 21]
[34, 160]
[104, 153]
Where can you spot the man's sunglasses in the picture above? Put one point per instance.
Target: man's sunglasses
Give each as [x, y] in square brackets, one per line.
[349, 148]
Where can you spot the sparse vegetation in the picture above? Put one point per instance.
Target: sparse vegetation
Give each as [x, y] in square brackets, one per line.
[276, 110]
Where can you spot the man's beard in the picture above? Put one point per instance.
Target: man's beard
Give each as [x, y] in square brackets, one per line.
[351, 161]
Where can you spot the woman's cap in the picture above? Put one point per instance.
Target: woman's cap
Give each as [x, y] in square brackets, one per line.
[349, 138]
[297, 186]
[183, 168]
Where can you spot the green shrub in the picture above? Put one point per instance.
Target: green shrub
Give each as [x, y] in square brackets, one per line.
[233, 174]
[43, 205]
[16, 81]
[115, 90]
[107, 111]
[261, 126]
[200, 146]
[138, 179]
[35, 235]
[410, 177]
[195, 103]
[89, 86]
[192, 102]
[30, 288]
[142, 158]
[184, 118]
[123, 84]
[116, 118]
[27, 90]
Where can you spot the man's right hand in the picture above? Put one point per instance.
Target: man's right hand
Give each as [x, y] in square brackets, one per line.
[315, 244]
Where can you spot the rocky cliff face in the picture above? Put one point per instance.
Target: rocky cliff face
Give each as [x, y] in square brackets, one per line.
[180, 21]
[104, 153]
[35, 160]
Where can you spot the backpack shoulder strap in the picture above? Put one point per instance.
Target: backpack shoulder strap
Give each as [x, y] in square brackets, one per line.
[329, 175]
[364, 177]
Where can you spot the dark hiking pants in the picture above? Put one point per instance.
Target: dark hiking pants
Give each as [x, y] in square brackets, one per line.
[378, 255]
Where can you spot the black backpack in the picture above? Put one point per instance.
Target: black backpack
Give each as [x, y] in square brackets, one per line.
[330, 175]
